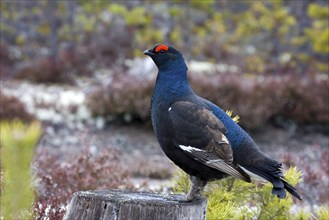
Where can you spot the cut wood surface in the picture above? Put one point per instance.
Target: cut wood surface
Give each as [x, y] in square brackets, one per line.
[126, 205]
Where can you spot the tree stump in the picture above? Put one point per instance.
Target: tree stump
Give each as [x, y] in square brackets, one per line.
[123, 205]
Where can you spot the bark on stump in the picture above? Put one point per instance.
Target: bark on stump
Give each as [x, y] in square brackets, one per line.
[123, 205]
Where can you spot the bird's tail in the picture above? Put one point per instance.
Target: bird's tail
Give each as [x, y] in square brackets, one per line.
[280, 189]
[272, 172]
[292, 190]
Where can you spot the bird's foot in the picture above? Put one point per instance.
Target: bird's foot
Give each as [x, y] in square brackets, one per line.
[196, 188]
[189, 197]
[175, 197]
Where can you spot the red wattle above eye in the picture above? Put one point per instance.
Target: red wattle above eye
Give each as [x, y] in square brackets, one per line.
[161, 47]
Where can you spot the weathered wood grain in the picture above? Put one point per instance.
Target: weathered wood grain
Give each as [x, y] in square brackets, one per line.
[123, 205]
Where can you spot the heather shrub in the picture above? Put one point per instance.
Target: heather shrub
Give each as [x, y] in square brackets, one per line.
[68, 64]
[44, 190]
[43, 70]
[306, 99]
[125, 95]
[313, 163]
[12, 108]
[5, 56]
[239, 94]
[55, 184]
[62, 68]
[256, 99]
[7, 61]
[259, 99]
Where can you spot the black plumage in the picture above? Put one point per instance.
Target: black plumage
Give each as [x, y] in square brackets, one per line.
[200, 137]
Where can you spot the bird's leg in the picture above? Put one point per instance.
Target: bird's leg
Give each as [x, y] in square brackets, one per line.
[196, 187]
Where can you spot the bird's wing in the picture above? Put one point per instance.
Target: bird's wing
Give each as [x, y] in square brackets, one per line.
[250, 157]
[200, 134]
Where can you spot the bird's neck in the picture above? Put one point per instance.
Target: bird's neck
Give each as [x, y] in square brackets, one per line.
[172, 84]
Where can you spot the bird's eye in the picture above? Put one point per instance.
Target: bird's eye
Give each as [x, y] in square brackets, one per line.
[161, 51]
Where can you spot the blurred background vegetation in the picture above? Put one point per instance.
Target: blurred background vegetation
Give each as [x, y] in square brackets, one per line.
[76, 65]
[263, 37]
[270, 57]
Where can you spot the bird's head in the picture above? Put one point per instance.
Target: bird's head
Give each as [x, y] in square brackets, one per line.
[166, 57]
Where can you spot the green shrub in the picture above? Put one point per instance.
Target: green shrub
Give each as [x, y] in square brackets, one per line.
[231, 198]
[17, 150]
[322, 213]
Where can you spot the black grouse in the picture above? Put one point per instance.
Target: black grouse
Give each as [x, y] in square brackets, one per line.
[199, 136]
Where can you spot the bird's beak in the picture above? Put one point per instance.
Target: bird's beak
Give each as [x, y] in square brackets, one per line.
[148, 52]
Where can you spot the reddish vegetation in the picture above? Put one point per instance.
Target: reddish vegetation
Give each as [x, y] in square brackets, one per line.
[58, 178]
[6, 61]
[257, 100]
[69, 64]
[12, 108]
[61, 69]
[313, 163]
[126, 94]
